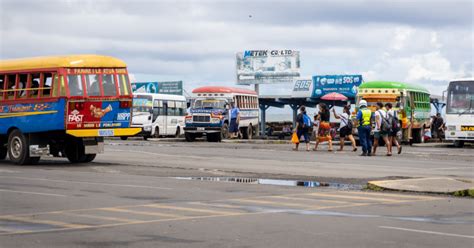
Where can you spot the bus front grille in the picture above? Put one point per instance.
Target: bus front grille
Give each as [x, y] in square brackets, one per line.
[201, 118]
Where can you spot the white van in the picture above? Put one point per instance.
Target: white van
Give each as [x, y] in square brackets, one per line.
[158, 114]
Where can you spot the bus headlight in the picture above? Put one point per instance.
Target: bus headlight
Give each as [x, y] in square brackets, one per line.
[147, 128]
[451, 128]
[188, 119]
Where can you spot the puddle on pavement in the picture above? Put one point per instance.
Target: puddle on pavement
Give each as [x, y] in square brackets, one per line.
[277, 182]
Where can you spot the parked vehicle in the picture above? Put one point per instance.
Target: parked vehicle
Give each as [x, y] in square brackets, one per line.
[209, 113]
[414, 105]
[460, 111]
[62, 105]
[158, 114]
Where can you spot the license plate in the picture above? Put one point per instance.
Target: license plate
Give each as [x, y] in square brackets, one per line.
[200, 129]
[106, 132]
[467, 128]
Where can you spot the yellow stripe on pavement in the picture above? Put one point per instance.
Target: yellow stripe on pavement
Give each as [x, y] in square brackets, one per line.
[90, 216]
[188, 209]
[286, 204]
[376, 199]
[47, 222]
[309, 199]
[121, 210]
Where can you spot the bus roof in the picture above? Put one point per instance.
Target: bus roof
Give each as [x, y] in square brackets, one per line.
[392, 85]
[162, 96]
[462, 79]
[223, 89]
[68, 61]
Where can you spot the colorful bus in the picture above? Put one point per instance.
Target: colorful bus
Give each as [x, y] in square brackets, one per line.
[413, 100]
[62, 106]
[460, 111]
[209, 112]
[159, 114]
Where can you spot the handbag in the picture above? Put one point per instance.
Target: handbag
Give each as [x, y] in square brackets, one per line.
[294, 138]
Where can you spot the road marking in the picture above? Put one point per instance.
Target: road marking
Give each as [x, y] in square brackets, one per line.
[272, 203]
[187, 209]
[217, 205]
[452, 168]
[31, 193]
[47, 222]
[121, 210]
[414, 197]
[309, 199]
[7, 230]
[92, 183]
[378, 199]
[428, 232]
[101, 217]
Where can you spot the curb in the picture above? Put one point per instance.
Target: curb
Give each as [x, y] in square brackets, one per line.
[378, 186]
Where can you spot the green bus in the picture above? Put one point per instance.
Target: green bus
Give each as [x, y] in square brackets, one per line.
[413, 101]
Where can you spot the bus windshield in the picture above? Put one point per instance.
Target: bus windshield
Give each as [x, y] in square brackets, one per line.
[142, 104]
[460, 98]
[209, 103]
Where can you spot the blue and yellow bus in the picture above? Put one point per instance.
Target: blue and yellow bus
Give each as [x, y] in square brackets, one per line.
[63, 106]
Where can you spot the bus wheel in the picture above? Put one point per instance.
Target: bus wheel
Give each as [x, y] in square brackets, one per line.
[214, 137]
[458, 144]
[123, 137]
[417, 135]
[157, 133]
[88, 158]
[178, 132]
[18, 149]
[75, 152]
[224, 131]
[190, 137]
[250, 131]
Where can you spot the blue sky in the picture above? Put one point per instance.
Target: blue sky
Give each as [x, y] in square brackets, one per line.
[424, 42]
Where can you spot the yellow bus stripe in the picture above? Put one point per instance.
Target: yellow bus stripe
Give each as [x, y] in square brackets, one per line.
[9, 115]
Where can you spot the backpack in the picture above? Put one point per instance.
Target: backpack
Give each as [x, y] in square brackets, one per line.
[306, 121]
[394, 121]
[348, 122]
[385, 125]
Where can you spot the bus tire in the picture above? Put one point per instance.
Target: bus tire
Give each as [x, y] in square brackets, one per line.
[214, 137]
[178, 132]
[123, 137]
[458, 144]
[75, 152]
[157, 133]
[224, 131]
[18, 149]
[89, 158]
[250, 131]
[417, 136]
[190, 137]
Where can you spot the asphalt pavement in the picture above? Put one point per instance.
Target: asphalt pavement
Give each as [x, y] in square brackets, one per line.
[131, 196]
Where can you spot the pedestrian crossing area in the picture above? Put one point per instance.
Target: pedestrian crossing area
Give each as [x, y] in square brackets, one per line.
[102, 217]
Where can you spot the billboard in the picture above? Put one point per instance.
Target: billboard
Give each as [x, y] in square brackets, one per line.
[343, 84]
[169, 87]
[267, 66]
[303, 87]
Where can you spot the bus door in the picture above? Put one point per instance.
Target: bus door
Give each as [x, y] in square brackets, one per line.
[165, 118]
[172, 118]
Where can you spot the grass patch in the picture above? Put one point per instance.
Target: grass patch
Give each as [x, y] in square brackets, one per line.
[464, 193]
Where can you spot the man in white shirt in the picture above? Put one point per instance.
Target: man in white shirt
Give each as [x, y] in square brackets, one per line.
[379, 114]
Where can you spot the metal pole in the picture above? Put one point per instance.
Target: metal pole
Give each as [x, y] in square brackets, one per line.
[262, 120]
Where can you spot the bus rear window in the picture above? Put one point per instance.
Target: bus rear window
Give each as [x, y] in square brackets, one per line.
[124, 85]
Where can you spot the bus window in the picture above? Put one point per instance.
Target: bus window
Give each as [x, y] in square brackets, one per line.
[47, 84]
[108, 84]
[11, 81]
[22, 86]
[75, 85]
[35, 84]
[92, 85]
[2, 86]
[62, 87]
[124, 85]
[181, 107]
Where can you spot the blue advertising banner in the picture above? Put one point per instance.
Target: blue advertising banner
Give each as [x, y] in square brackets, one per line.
[169, 87]
[343, 84]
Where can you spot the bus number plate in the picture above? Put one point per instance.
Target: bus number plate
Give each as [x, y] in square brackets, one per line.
[200, 129]
[467, 128]
[106, 132]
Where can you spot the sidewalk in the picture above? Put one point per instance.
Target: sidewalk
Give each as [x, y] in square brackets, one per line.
[437, 185]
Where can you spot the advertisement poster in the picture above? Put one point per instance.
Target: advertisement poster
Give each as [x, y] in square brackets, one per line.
[343, 84]
[267, 66]
[168, 87]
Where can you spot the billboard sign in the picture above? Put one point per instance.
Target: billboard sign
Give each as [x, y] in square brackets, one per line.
[303, 87]
[169, 87]
[343, 84]
[267, 66]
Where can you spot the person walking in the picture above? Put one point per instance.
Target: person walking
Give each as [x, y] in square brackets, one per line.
[315, 126]
[379, 130]
[234, 121]
[439, 127]
[392, 115]
[345, 129]
[324, 133]
[303, 123]
[364, 119]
